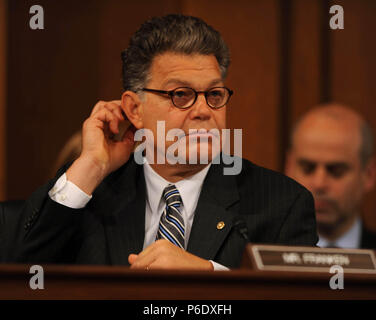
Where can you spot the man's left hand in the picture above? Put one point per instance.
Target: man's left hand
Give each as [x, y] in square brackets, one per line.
[162, 254]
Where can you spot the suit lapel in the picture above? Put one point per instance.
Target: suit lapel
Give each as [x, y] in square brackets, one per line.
[124, 205]
[213, 217]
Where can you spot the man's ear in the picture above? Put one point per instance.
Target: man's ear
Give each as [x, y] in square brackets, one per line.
[133, 108]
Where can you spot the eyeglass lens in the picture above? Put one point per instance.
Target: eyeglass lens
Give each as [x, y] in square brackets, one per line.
[185, 97]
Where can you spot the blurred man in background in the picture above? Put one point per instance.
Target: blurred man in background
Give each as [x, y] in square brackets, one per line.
[332, 154]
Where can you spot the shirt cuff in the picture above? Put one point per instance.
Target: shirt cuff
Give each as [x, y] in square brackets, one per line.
[68, 194]
[218, 267]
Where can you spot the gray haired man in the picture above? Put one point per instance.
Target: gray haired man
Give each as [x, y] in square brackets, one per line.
[107, 209]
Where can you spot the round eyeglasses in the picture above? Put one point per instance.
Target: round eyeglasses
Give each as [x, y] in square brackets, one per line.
[185, 97]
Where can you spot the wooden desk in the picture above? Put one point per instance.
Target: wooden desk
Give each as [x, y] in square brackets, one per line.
[104, 282]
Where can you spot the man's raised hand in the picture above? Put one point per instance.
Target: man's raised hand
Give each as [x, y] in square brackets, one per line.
[101, 152]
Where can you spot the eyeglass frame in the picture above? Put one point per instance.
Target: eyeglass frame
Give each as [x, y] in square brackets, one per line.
[170, 94]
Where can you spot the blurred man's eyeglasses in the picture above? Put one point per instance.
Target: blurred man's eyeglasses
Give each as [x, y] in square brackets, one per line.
[185, 97]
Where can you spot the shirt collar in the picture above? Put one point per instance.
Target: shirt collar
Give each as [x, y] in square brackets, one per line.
[188, 188]
[351, 239]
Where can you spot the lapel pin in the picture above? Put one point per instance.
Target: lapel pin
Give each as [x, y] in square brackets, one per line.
[220, 225]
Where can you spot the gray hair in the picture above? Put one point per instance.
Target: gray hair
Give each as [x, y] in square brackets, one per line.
[174, 33]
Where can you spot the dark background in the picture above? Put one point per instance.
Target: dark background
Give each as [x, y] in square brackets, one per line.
[285, 59]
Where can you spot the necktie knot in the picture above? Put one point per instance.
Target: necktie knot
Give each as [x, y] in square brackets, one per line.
[172, 196]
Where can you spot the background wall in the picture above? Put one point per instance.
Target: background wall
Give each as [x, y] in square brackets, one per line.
[285, 59]
[3, 51]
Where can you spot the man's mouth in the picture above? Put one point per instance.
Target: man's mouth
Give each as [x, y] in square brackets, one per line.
[200, 134]
[322, 205]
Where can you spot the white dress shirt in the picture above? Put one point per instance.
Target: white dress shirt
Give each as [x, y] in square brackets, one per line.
[351, 239]
[189, 190]
[68, 194]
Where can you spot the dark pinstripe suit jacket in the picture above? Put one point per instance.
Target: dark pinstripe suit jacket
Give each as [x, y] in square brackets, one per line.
[274, 209]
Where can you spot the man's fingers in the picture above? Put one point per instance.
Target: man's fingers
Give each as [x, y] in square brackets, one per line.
[115, 108]
[108, 118]
[102, 135]
[99, 105]
[110, 105]
[110, 113]
[154, 255]
[145, 258]
[132, 258]
[149, 249]
[142, 262]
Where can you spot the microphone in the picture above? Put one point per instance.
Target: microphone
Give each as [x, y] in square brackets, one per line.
[241, 227]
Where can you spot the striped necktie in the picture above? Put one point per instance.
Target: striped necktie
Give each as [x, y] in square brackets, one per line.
[171, 225]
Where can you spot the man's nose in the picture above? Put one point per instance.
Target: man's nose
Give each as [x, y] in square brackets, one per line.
[200, 109]
[319, 180]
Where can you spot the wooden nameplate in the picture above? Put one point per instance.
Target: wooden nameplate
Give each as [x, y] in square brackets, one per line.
[307, 259]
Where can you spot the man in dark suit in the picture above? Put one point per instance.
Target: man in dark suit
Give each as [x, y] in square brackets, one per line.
[331, 153]
[109, 207]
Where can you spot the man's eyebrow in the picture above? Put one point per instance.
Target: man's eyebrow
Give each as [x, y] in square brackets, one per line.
[337, 164]
[184, 83]
[215, 82]
[305, 161]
